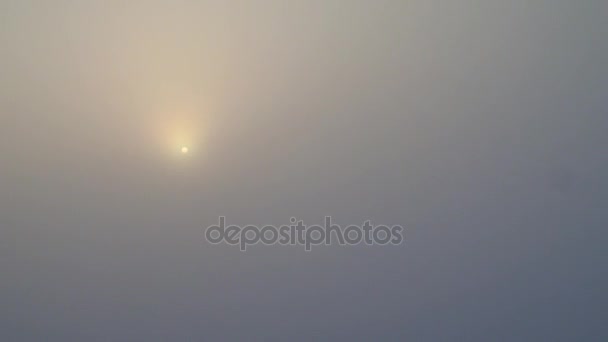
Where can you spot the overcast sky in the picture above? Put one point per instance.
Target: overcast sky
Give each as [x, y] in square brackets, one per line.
[481, 126]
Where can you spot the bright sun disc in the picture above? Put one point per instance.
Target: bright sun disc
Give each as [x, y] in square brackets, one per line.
[184, 150]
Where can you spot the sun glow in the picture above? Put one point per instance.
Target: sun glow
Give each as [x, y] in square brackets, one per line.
[181, 136]
[181, 130]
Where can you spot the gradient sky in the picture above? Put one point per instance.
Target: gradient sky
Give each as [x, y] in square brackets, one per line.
[481, 126]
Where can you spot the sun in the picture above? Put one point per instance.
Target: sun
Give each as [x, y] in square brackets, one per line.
[184, 150]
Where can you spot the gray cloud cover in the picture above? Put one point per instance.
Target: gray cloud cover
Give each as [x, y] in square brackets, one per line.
[480, 126]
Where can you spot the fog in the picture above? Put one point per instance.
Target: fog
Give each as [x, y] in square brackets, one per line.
[480, 126]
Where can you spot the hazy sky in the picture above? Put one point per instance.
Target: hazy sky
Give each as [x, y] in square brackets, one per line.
[479, 125]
